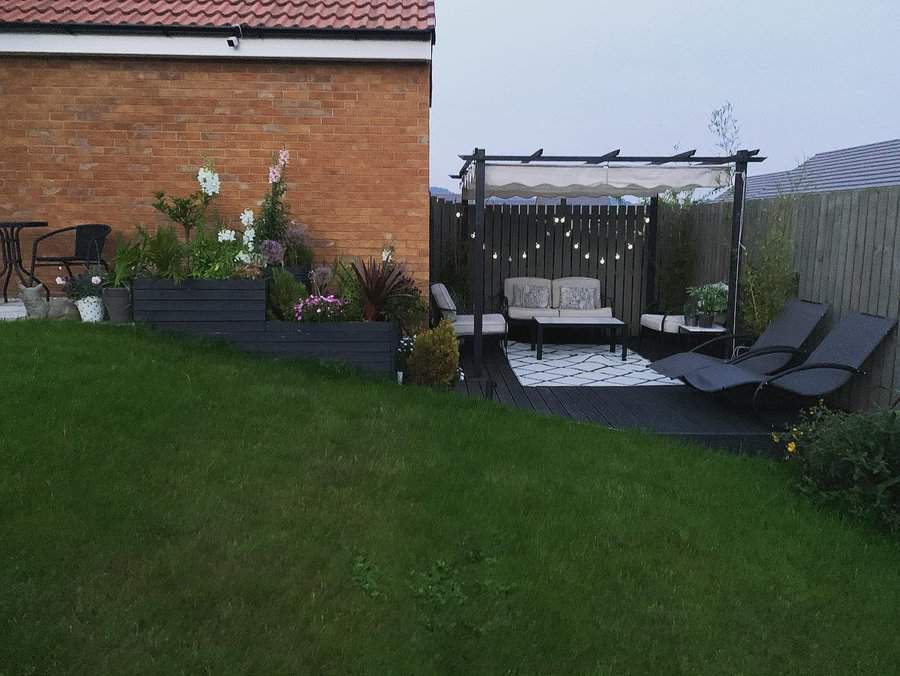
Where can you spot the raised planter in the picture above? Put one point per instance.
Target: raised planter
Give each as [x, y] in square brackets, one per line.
[235, 311]
[370, 346]
[172, 305]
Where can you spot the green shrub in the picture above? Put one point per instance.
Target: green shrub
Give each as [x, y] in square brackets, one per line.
[162, 254]
[769, 280]
[209, 258]
[435, 357]
[850, 460]
[283, 295]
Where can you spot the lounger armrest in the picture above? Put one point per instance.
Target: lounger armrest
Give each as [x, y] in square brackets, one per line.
[802, 368]
[775, 349]
[718, 339]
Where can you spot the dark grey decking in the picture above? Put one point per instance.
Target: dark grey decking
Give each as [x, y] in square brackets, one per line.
[675, 411]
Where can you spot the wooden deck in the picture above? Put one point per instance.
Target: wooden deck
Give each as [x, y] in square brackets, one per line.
[676, 411]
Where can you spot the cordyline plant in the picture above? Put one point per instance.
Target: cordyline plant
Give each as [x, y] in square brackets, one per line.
[380, 282]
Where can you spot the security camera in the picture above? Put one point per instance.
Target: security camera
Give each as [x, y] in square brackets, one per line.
[235, 40]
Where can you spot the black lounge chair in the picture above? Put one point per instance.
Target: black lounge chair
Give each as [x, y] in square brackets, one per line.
[770, 353]
[831, 365]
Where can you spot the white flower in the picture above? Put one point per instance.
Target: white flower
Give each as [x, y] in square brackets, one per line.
[227, 235]
[95, 280]
[61, 281]
[247, 218]
[244, 257]
[209, 181]
[249, 236]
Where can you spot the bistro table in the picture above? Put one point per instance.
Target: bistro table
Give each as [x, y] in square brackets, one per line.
[11, 242]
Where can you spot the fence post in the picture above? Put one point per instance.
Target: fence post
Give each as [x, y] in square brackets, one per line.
[651, 234]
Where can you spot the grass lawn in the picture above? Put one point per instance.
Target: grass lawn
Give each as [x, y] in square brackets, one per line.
[173, 508]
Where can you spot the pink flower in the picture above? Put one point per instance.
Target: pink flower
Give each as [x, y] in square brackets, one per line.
[283, 157]
[274, 174]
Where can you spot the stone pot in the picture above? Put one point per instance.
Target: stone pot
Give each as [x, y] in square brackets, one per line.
[705, 320]
[118, 304]
[90, 309]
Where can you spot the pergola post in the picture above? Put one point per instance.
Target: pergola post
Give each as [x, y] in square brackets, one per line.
[737, 237]
[478, 264]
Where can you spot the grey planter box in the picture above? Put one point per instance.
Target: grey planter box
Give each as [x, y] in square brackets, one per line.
[162, 302]
[235, 311]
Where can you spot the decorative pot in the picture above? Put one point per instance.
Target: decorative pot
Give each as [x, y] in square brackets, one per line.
[705, 320]
[118, 304]
[90, 309]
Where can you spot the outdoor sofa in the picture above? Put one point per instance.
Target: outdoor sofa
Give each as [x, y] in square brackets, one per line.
[525, 298]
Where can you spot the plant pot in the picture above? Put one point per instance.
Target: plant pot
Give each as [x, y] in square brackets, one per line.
[690, 320]
[118, 304]
[90, 309]
[705, 320]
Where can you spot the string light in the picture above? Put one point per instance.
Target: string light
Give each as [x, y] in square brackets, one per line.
[510, 259]
[647, 220]
[587, 256]
[472, 236]
[562, 220]
[458, 215]
[494, 256]
[576, 246]
[524, 254]
[618, 256]
[556, 220]
[568, 233]
[630, 246]
[537, 245]
[602, 261]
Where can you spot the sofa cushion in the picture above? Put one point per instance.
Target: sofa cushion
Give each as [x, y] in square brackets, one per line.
[655, 322]
[491, 325]
[577, 298]
[574, 282]
[598, 312]
[510, 285]
[532, 296]
[444, 301]
[531, 313]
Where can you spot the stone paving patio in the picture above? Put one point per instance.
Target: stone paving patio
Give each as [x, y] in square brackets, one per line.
[581, 365]
[11, 310]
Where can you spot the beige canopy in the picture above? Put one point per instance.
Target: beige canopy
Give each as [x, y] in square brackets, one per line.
[570, 181]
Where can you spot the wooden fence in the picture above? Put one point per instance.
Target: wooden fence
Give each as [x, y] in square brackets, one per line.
[609, 243]
[846, 253]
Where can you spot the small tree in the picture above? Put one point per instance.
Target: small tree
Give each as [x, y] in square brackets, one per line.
[724, 126]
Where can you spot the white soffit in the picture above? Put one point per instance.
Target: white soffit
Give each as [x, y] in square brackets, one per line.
[554, 180]
[215, 46]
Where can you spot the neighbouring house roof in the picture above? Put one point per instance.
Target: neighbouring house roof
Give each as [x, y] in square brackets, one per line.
[869, 166]
[263, 15]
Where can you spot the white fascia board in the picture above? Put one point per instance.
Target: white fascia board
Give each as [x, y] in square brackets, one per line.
[215, 46]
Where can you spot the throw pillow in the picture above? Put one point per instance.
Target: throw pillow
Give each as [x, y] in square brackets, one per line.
[535, 297]
[36, 305]
[576, 298]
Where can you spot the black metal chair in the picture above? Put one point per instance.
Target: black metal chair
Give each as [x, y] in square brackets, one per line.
[90, 238]
[770, 353]
[838, 358]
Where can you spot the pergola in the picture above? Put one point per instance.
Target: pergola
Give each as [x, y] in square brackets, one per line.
[609, 175]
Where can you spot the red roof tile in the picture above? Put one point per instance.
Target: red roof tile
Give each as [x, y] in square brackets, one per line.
[411, 15]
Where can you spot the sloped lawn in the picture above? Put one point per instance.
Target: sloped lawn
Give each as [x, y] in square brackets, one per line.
[173, 508]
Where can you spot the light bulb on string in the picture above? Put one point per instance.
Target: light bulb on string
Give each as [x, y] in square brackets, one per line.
[458, 215]
[576, 246]
[647, 220]
[556, 220]
[472, 236]
[537, 245]
[568, 233]
[630, 246]
[587, 256]
[602, 261]
[618, 256]
[494, 255]
[510, 259]
[524, 254]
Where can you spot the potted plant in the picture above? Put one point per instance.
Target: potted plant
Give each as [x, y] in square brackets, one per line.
[86, 290]
[711, 300]
[117, 292]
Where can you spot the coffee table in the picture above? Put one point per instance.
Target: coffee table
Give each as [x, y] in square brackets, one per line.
[611, 323]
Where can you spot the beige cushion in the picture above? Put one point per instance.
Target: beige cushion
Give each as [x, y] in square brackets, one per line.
[510, 285]
[599, 312]
[655, 322]
[582, 282]
[531, 313]
[491, 325]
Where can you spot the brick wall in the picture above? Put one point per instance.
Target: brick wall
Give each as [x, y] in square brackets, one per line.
[90, 140]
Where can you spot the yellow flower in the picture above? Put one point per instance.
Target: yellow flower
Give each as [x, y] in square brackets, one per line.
[791, 447]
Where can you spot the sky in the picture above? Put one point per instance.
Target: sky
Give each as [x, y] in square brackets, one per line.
[590, 76]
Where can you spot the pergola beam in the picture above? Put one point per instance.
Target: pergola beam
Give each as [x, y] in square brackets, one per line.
[599, 159]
